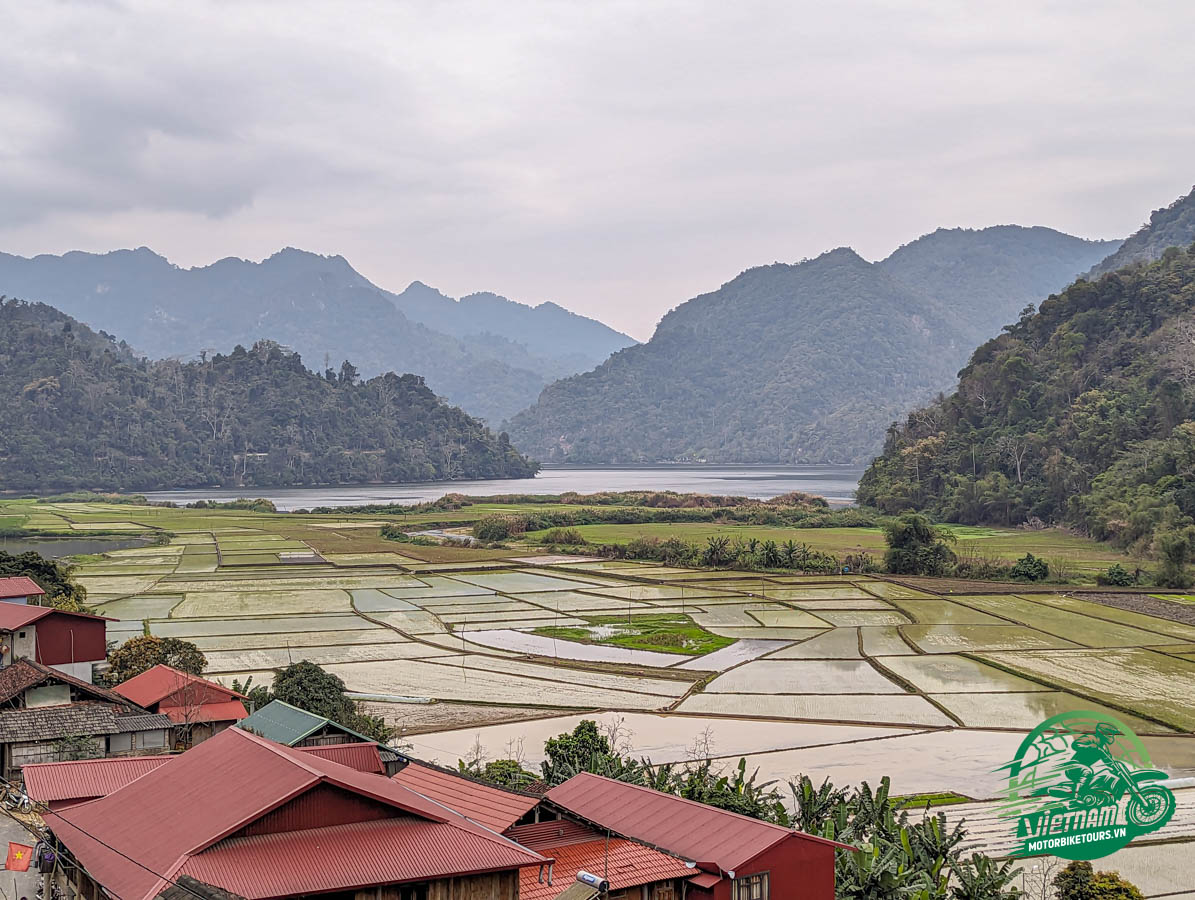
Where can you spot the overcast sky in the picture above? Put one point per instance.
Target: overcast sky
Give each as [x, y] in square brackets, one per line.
[616, 157]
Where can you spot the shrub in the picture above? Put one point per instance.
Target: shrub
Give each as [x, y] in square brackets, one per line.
[1030, 568]
[499, 528]
[393, 532]
[1079, 881]
[1116, 576]
[563, 536]
[916, 547]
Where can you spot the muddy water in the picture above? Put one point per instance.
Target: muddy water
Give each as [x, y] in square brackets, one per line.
[56, 548]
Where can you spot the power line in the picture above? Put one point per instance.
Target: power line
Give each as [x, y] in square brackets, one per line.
[40, 807]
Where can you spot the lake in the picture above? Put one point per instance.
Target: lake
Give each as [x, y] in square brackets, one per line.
[836, 483]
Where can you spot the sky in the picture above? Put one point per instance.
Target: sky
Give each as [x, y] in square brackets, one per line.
[617, 157]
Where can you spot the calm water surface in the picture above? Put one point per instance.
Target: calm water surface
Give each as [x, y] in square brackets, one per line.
[836, 483]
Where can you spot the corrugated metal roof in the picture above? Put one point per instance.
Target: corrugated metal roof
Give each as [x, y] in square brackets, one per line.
[156, 822]
[17, 615]
[85, 779]
[364, 757]
[19, 586]
[492, 807]
[230, 711]
[348, 857]
[158, 682]
[623, 863]
[693, 830]
[557, 833]
[283, 723]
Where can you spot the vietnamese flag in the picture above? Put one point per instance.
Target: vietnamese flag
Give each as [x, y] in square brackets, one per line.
[19, 857]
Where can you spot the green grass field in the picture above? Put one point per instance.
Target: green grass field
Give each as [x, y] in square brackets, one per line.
[664, 633]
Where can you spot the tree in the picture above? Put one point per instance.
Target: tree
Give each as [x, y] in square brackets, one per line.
[1030, 568]
[138, 654]
[916, 547]
[52, 577]
[1079, 881]
[1176, 548]
[307, 686]
[583, 750]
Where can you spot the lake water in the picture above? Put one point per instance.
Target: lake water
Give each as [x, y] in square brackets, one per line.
[836, 483]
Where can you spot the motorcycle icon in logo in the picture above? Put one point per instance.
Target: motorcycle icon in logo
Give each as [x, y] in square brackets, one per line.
[1081, 787]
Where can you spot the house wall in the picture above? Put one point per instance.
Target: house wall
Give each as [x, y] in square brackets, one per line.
[69, 639]
[132, 743]
[21, 754]
[80, 670]
[796, 867]
[18, 646]
[320, 806]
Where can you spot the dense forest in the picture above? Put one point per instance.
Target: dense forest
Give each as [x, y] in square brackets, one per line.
[806, 362]
[489, 355]
[81, 411]
[1080, 413]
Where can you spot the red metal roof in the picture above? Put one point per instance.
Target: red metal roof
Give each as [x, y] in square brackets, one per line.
[362, 756]
[230, 711]
[160, 682]
[693, 830]
[18, 615]
[623, 863]
[62, 784]
[492, 807]
[149, 829]
[345, 857]
[19, 586]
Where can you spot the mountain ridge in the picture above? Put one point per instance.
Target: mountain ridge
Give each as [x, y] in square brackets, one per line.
[821, 390]
[319, 305]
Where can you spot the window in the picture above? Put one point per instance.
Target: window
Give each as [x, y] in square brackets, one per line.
[664, 891]
[20, 634]
[751, 887]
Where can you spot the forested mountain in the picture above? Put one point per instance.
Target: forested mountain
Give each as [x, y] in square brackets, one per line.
[1081, 413]
[1173, 226]
[80, 411]
[806, 362]
[487, 355]
[993, 273]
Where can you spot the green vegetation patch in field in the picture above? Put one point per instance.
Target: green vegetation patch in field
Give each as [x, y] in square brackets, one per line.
[667, 633]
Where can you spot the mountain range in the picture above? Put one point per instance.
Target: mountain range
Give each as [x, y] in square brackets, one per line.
[805, 362]
[81, 411]
[487, 354]
[1081, 413]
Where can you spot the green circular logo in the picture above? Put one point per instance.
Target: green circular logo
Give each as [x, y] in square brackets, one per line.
[1081, 787]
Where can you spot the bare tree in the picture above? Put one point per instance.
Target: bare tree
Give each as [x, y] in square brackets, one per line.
[1014, 449]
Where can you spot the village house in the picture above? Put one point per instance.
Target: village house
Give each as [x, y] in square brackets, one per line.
[241, 816]
[68, 641]
[198, 708]
[260, 820]
[294, 727]
[20, 589]
[47, 715]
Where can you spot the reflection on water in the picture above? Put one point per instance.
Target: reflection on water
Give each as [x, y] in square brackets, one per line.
[836, 483]
[56, 548]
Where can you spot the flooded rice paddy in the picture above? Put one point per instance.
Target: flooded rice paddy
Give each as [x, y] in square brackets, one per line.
[848, 677]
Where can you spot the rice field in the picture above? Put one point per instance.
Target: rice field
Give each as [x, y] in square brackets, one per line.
[849, 677]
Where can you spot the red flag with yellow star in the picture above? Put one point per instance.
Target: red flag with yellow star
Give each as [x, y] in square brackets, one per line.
[19, 857]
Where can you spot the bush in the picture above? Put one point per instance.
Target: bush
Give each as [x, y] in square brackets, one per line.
[499, 528]
[393, 532]
[1030, 568]
[1116, 576]
[138, 654]
[916, 547]
[1079, 881]
[1176, 548]
[564, 536]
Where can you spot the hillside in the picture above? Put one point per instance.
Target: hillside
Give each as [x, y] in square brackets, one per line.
[1173, 226]
[478, 355]
[1081, 413]
[806, 362]
[80, 411]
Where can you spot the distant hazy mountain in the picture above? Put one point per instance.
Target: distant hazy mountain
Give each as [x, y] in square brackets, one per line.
[1173, 226]
[487, 354]
[806, 362]
[989, 275]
